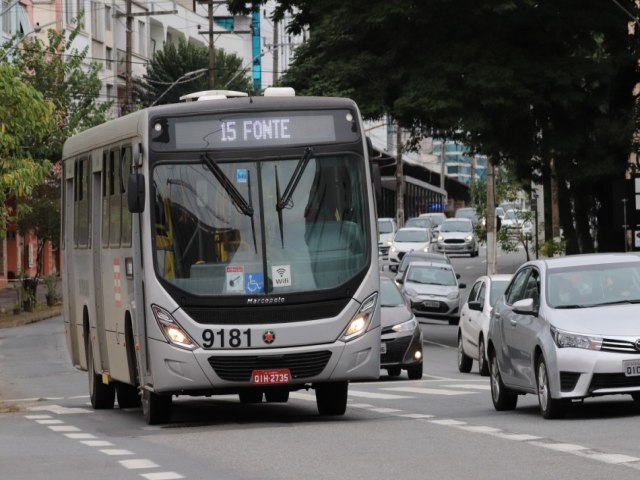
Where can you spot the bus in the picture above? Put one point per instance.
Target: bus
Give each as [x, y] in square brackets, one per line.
[225, 245]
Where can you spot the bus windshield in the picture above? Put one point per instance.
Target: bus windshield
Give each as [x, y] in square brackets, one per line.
[207, 244]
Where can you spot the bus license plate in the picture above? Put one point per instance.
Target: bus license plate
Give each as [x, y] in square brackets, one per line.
[631, 368]
[274, 376]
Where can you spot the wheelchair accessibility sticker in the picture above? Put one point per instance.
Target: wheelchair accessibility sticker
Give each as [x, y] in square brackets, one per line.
[254, 282]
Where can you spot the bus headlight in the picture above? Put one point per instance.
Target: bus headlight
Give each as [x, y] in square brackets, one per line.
[172, 331]
[361, 320]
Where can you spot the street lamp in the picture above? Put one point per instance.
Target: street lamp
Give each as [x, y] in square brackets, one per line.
[37, 29]
[180, 79]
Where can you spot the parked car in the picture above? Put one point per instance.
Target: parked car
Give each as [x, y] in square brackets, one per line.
[567, 328]
[456, 235]
[407, 240]
[401, 347]
[417, 256]
[433, 290]
[474, 321]
[386, 230]
[518, 222]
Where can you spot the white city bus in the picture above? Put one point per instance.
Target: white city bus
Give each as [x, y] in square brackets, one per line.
[222, 246]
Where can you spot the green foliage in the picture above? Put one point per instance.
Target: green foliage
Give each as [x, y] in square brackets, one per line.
[25, 116]
[525, 83]
[551, 248]
[168, 66]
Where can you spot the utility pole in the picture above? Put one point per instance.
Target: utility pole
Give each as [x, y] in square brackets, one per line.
[399, 179]
[212, 49]
[491, 219]
[276, 53]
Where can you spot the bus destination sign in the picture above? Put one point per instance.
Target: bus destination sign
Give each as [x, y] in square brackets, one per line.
[256, 130]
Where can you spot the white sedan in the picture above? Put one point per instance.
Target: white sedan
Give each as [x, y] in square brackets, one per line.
[474, 321]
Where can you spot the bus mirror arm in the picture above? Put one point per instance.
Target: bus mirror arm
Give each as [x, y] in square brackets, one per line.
[135, 193]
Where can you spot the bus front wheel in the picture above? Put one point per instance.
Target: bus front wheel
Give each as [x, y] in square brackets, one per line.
[331, 398]
[156, 408]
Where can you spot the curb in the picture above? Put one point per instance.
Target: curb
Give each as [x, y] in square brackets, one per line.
[19, 320]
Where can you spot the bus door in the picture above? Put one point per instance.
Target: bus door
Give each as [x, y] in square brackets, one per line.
[70, 316]
[96, 241]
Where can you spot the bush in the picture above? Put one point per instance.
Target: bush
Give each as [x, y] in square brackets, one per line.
[552, 248]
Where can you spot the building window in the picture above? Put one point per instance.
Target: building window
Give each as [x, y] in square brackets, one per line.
[109, 93]
[6, 18]
[109, 58]
[68, 11]
[97, 22]
[142, 33]
[107, 18]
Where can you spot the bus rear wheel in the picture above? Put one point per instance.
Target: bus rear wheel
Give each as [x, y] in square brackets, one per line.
[156, 408]
[331, 398]
[102, 395]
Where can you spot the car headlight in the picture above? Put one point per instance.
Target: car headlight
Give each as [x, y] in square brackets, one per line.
[440, 238]
[468, 238]
[453, 295]
[172, 331]
[389, 242]
[410, 292]
[393, 248]
[361, 320]
[573, 340]
[426, 249]
[409, 326]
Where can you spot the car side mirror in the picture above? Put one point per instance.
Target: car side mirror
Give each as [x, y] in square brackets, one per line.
[393, 268]
[462, 285]
[525, 307]
[475, 306]
[458, 276]
[400, 280]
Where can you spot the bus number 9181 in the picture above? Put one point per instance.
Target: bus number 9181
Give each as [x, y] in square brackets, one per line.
[234, 338]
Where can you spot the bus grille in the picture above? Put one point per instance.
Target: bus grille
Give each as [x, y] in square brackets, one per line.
[239, 368]
[266, 314]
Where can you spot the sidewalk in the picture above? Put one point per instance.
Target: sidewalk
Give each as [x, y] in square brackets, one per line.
[9, 299]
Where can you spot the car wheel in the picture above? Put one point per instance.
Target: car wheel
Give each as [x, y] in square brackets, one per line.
[156, 408]
[454, 321]
[549, 407]
[415, 371]
[464, 362]
[394, 371]
[483, 365]
[102, 395]
[502, 397]
[331, 398]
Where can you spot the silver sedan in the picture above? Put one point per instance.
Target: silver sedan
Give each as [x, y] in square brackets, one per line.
[567, 328]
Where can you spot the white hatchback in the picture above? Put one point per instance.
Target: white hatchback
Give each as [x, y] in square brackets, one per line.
[409, 239]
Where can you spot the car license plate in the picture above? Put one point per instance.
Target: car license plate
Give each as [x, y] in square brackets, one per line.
[383, 348]
[631, 368]
[431, 304]
[275, 376]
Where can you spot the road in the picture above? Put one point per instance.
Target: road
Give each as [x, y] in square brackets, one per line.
[442, 426]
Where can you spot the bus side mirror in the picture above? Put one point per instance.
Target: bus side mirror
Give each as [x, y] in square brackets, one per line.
[135, 193]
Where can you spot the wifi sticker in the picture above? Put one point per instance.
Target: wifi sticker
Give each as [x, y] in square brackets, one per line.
[281, 275]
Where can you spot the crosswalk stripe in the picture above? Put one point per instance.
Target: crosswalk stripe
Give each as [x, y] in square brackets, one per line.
[427, 391]
[379, 396]
[470, 386]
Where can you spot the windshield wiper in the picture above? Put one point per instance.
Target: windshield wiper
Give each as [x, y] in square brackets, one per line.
[617, 302]
[572, 306]
[284, 200]
[233, 192]
[295, 178]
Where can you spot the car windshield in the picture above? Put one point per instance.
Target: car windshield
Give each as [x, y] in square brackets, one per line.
[436, 218]
[390, 296]
[593, 285]
[456, 226]
[466, 213]
[385, 226]
[419, 223]
[497, 289]
[411, 236]
[431, 275]
[434, 258]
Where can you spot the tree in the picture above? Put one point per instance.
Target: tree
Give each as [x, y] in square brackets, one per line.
[58, 71]
[168, 74]
[25, 117]
[545, 86]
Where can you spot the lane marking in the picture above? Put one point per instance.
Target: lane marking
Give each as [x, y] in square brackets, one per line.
[96, 443]
[116, 451]
[427, 391]
[470, 386]
[64, 428]
[138, 463]
[161, 476]
[80, 436]
[379, 396]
